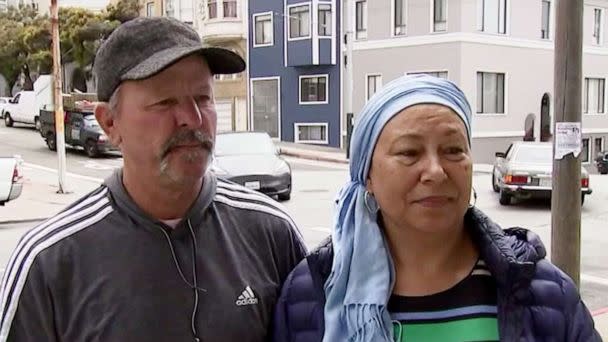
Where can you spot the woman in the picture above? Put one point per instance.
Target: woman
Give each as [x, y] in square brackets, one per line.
[410, 259]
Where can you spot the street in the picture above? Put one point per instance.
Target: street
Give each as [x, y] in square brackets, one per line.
[315, 185]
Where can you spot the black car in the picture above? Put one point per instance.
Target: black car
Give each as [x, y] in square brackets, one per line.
[81, 129]
[602, 163]
[252, 160]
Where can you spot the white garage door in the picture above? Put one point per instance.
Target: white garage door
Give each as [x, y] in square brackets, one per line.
[224, 116]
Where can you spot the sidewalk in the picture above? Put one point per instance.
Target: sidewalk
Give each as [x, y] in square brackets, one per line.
[39, 199]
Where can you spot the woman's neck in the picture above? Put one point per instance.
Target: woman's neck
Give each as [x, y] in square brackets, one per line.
[428, 263]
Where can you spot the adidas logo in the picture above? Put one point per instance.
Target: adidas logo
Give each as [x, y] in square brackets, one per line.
[247, 298]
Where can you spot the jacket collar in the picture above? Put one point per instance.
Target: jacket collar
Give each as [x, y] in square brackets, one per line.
[125, 204]
[510, 254]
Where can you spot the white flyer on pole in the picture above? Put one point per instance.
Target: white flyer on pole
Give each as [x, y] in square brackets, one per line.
[568, 139]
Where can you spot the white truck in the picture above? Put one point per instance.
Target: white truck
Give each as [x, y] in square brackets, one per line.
[11, 178]
[26, 105]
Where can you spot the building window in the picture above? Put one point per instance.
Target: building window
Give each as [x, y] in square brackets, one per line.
[212, 9]
[263, 30]
[150, 9]
[230, 9]
[598, 146]
[546, 19]
[492, 16]
[299, 21]
[597, 26]
[313, 89]
[400, 17]
[440, 15]
[490, 93]
[585, 151]
[374, 83]
[593, 95]
[361, 19]
[325, 20]
[439, 74]
[311, 133]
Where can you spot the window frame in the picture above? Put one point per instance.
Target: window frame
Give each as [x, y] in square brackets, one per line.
[433, 22]
[289, 19]
[296, 134]
[209, 4]
[307, 103]
[479, 111]
[548, 28]
[150, 5]
[588, 156]
[404, 26]
[361, 32]
[377, 84]
[585, 96]
[320, 25]
[236, 9]
[255, 16]
[481, 20]
[599, 39]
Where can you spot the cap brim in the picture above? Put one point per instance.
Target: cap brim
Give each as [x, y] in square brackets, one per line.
[220, 61]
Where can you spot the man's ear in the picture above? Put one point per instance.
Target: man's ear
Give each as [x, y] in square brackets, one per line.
[107, 121]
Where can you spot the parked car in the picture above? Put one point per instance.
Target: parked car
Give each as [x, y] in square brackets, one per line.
[4, 101]
[252, 160]
[11, 179]
[26, 105]
[81, 129]
[524, 171]
[601, 162]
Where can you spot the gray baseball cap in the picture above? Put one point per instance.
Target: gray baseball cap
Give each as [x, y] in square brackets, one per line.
[145, 46]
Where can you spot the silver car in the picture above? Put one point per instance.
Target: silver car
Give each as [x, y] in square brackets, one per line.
[524, 171]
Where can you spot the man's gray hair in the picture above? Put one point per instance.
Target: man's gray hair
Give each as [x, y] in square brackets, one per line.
[114, 101]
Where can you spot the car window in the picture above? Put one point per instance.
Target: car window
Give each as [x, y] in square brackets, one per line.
[536, 154]
[243, 144]
[90, 121]
[508, 153]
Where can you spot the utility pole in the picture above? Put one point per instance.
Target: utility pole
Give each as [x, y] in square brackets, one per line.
[348, 75]
[57, 98]
[566, 199]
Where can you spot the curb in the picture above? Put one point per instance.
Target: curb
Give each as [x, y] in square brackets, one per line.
[22, 221]
[311, 157]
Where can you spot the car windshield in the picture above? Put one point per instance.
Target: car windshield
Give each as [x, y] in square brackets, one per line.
[534, 154]
[90, 121]
[243, 144]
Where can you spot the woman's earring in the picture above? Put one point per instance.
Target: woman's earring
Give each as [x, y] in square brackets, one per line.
[474, 199]
[370, 202]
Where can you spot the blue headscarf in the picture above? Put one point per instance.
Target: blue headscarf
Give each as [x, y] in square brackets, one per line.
[362, 275]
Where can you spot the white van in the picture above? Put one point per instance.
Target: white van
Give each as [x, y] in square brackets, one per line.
[25, 106]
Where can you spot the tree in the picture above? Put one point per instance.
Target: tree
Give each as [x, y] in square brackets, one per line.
[123, 11]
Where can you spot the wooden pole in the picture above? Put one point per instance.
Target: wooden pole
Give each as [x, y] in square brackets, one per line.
[57, 98]
[566, 197]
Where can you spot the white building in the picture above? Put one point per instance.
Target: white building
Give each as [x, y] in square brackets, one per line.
[500, 52]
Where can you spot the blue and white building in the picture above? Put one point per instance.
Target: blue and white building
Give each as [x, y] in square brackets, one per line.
[294, 70]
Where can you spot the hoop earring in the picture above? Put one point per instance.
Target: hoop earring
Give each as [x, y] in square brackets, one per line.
[474, 199]
[370, 203]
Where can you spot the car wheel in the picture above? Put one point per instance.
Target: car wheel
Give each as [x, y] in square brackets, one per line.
[603, 172]
[91, 148]
[494, 185]
[51, 141]
[505, 198]
[8, 121]
[37, 123]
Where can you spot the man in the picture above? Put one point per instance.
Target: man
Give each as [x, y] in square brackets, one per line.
[163, 250]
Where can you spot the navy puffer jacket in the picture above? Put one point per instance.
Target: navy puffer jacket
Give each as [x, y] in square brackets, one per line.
[536, 300]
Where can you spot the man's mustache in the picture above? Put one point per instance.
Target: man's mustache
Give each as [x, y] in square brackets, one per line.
[186, 137]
